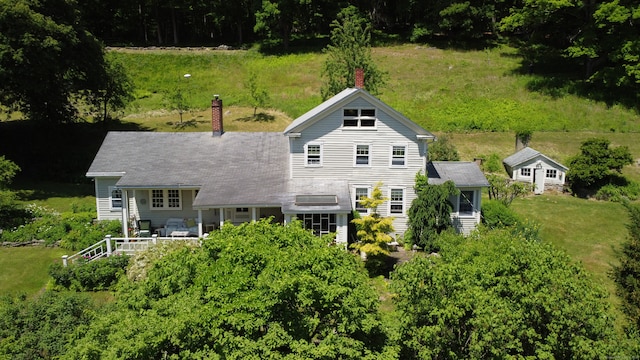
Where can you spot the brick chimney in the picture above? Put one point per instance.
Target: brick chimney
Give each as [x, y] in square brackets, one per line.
[216, 116]
[360, 78]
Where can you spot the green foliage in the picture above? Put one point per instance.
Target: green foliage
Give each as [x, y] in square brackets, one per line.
[95, 275]
[372, 229]
[497, 296]
[596, 164]
[492, 163]
[430, 212]
[505, 190]
[114, 91]
[259, 290]
[8, 170]
[46, 58]
[75, 231]
[495, 215]
[443, 150]
[350, 49]
[40, 328]
[258, 95]
[619, 193]
[627, 274]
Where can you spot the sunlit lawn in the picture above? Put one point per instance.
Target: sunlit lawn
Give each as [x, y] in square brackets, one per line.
[24, 270]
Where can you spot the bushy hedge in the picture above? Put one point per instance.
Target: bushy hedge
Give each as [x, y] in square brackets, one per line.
[497, 215]
[89, 276]
[618, 193]
[74, 230]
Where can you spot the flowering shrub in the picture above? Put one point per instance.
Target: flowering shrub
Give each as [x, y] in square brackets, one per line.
[74, 230]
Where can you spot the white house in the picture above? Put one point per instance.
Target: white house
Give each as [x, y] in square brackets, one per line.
[529, 165]
[316, 170]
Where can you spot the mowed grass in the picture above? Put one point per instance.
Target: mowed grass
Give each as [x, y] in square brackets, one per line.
[25, 269]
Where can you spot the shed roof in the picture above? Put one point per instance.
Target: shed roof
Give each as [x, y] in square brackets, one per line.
[526, 155]
[462, 173]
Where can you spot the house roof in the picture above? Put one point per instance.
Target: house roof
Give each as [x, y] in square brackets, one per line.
[526, 155]
[342, 99]
[338, 190]
[248, 168]
[463, 174]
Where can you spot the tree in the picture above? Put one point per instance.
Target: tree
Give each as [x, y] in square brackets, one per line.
[349, 50]
[430, 212]
[443, 150]
[8, 170]
[504, 190]
[259, 96]
[259, 290]
[372, 229]
[113, 92]
[596, 164]
[46, 58]
[627, 274]
[496, 296]
[40, 328]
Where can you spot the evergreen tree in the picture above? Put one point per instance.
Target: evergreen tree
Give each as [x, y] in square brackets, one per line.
[430, 212]
[373, 230]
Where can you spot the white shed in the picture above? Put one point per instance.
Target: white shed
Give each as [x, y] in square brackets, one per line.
[529, 165]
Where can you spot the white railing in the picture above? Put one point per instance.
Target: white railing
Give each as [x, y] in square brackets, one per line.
[127, 246]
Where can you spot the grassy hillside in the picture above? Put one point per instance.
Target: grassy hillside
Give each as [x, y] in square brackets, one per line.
[442, 90]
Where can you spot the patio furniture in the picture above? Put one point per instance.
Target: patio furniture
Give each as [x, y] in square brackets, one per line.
[144, 228]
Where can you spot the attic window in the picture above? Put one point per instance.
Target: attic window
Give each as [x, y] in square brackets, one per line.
[316, 200]
[359, 118]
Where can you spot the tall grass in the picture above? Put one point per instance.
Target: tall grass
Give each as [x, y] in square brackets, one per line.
[442, 90]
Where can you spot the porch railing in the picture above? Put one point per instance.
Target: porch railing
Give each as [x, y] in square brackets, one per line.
[109, 246]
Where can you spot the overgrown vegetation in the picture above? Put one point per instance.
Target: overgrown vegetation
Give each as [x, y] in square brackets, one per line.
[96, 275]
[498, 296]
[627, 274]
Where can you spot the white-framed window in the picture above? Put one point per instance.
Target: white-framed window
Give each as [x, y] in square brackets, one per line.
[466, 202]
[398, 155]
[525, 172]
[361, 155]
[313, 154]
[359, 118]
[321, 224]
[166, 199]
[551, 173]
[115, 198]
[396, 201]
[359, 193]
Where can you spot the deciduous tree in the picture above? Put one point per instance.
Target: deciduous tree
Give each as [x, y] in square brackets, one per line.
[495, 296]
[596, 163]
[372, 229]
[349, 50]
[627, 274]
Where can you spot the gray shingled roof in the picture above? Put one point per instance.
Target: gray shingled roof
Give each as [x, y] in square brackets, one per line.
[238, 168]
[307, 186]
[463, 174]
[528, 154]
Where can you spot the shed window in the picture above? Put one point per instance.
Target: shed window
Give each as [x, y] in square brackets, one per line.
[525, 172]
[552, 173]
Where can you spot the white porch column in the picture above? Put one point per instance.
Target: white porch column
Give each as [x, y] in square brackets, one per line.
[199, 223]
[125, 213]
[221, 217]
[254, 215]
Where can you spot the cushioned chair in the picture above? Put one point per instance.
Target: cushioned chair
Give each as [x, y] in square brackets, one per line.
[144, 228]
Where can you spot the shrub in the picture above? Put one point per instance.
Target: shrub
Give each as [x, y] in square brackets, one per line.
[496, 214]
[89, 276]
[492, 163]
[617, 193]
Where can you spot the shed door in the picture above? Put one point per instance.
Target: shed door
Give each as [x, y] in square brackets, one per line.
[538, 180]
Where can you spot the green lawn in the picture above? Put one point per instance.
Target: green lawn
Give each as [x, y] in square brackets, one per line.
[25, 269]
[589, 231]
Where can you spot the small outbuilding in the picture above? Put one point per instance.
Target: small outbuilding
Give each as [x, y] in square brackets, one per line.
[529, 165]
